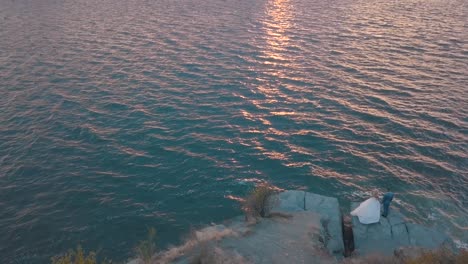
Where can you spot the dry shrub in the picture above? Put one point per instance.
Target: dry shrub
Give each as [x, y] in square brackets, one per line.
[75, 257]
[440, 256]
[146, 249]
[462, 257]
[372, 259]
[259, 202]
[209, 254]
[198, 240]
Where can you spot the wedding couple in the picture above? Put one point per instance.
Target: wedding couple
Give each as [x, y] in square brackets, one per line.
[368, 211]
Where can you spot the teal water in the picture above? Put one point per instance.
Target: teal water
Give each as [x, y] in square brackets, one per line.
[120, 115]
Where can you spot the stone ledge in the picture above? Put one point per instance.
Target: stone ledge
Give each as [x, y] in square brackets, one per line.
[392, 233]
[328, 208]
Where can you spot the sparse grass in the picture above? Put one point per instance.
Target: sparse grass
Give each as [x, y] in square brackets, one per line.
[77, 256]
[462, 257]
[146, 249]
[258, 202]
[440, 256]
[194, 244]
[209, 254]
[372, 259]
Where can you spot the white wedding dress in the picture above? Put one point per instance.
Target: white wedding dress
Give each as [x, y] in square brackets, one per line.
[368, 211]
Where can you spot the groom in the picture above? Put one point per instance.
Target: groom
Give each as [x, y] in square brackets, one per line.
[386, 200]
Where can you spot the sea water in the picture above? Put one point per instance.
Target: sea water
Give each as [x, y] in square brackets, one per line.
[117, 116]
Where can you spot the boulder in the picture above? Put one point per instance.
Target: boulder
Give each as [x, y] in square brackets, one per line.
[392, 233]
[383, 237]
[327, 208]
[330, 216]
[289, 201]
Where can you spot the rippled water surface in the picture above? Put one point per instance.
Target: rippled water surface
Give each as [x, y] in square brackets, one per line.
[120, 115]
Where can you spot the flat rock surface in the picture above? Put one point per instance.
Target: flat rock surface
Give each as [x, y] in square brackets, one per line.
[328, 208]
[296, 239]
[392, 233]
[289, 201]
[307, 230]
[330, 216]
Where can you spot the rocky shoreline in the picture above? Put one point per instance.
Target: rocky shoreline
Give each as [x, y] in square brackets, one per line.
[304, 227]
[395, 232]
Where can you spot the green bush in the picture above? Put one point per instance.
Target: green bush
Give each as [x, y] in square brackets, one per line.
[146, 249]
[75, 257]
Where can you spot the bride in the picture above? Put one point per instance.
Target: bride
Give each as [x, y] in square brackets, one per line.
[368, 211]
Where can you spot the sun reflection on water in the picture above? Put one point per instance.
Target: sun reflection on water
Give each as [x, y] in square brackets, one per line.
[277, 22]
[279, 15]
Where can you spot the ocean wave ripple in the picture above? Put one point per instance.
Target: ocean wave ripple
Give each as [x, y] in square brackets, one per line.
[119, 115]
